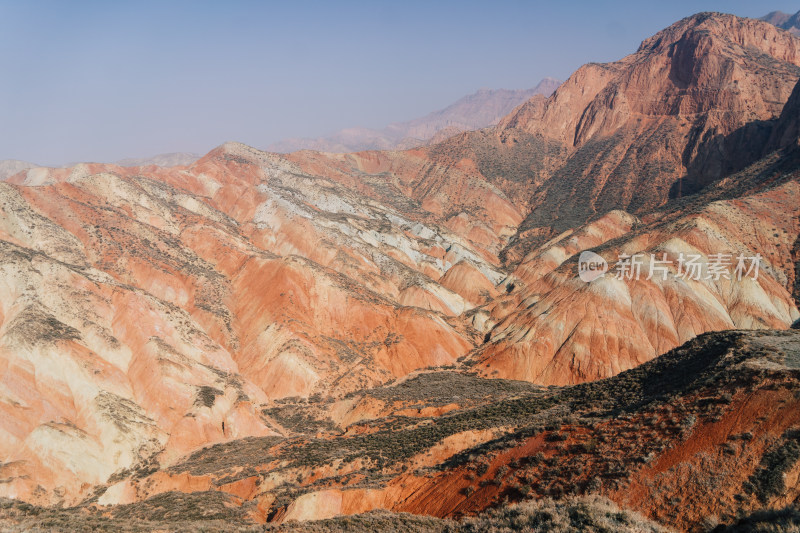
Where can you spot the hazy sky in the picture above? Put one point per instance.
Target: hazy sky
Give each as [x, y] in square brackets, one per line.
[100, 81]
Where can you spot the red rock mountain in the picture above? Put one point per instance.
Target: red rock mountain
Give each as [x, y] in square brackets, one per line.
[287, 307]
[692, 105]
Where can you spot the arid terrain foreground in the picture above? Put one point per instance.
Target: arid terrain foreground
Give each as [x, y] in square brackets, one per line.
[405, 341]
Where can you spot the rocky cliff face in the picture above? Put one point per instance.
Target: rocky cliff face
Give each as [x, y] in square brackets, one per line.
[786, 131]
[695, 103]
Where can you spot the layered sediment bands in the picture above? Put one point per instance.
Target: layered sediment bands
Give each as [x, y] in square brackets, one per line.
[714, 421]
[558, 329]
[149, 314]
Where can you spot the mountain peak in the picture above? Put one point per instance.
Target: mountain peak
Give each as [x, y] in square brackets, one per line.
[785, 21]
[9, 167]
[730, 28]
[697, 100]
[688, 68]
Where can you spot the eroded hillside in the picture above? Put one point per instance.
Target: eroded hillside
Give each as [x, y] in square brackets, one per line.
[711, 427]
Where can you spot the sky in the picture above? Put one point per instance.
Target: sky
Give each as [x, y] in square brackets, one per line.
[106, 80]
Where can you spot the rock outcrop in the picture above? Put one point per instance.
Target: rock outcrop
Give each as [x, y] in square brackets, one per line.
[694, 104]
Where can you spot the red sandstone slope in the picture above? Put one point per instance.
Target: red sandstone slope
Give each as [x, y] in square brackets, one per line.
[710, 427]
[150, 311]
[556, 328]
[559, 329]
[696, 102]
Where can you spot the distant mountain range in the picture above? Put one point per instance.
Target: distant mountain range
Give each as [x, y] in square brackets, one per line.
[172, 159]
[9, 167]
[478, 110]
[475, 111]
[790, 23]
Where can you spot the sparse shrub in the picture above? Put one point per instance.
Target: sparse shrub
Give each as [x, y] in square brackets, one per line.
[768, 480]
[536, 458]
